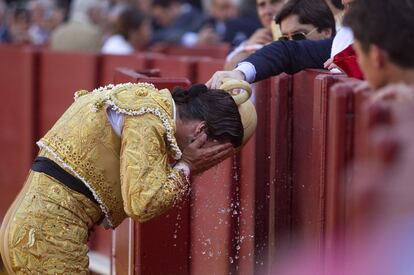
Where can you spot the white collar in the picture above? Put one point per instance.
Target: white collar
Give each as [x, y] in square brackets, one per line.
[174, 109]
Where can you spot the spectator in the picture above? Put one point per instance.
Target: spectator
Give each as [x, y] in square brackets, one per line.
[287, 56]
[306, 19]
[19, 26]
[132, 33]
[214, 28]
[299, 20]
[225, 24]
[117, 7]
[45, 16]
[82, 32]
[173, 19]
[4, 31]
[144, 5]
[384, 50]
[266, 10]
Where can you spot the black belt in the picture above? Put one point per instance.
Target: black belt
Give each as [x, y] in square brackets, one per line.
[49, 167]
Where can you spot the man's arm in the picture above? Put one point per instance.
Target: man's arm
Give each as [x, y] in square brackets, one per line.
[289, 57]
[276, 58]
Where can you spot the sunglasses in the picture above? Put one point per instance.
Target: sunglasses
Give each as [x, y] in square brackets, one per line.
[296, 36]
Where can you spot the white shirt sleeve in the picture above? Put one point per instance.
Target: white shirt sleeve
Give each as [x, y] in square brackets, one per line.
[248, 70]
[116, 120]
[184, 167]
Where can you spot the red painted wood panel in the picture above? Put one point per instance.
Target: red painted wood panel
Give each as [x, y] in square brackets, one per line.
[175, 66]
[339, 156]
[61, 74]
[308, 192]
[246, 219]
[213, 210]
[109, 63]
[206, 67]
[162, 245]
[17, 118]
[264, 91]
[281, 138]
[128, 75]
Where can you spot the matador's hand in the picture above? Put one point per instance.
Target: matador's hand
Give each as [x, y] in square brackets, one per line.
[201, 154]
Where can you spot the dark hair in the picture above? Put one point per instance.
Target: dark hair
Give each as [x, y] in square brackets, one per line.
[389, 24]
[337, 4]
[216, 107]
[315, 12]
[129, 20]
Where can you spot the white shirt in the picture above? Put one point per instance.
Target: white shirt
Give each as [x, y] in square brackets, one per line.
[117, 44]
[344, 37]
[342, 40]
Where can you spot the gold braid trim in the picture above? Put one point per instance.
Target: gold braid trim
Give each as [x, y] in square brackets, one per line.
[110, 101]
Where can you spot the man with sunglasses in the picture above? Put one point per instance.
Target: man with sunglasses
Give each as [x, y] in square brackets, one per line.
[287, 57]
[306, 19]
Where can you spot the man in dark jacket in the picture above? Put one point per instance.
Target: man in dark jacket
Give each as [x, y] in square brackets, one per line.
[286, 57]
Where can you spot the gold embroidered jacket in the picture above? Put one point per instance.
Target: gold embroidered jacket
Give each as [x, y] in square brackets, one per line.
[128, 175]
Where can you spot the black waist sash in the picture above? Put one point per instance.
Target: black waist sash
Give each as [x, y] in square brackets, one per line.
[49, 167]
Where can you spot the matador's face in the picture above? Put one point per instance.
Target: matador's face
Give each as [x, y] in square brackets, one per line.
[187, 131]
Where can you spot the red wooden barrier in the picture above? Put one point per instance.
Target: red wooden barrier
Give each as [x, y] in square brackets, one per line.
[271, 98]
[281, 139]
[175, 66]
[212, 216]
[306, 200]
[60, 75]
[339, 155]
[287, 183]
[109, 63]
[307, 176]
[17, 118]
[206, 67]
[123, 75]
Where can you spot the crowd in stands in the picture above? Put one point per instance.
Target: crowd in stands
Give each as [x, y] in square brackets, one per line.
[127, 26]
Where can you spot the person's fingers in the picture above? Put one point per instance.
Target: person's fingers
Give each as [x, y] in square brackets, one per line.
[327, 63]
[199, 141]
[223, 155]
[216, 159]
[217, 80]
[216, 149]
[212, 83]
[213, 80]
[266, 39]
[261, 38]
[332, 66]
